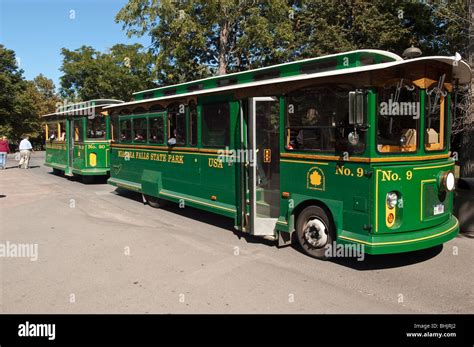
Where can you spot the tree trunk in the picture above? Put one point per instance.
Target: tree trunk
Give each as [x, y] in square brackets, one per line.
[223, 40]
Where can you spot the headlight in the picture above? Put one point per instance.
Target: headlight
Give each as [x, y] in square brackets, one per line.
[449, 181]
[392, 199]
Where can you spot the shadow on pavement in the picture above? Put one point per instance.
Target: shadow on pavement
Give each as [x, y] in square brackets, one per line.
[370, 262]
[388, 261]
[198, 215]
[468, 234]
[87, 180]
[16, 167]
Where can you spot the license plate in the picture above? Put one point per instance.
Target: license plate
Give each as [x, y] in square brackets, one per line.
[438, 209]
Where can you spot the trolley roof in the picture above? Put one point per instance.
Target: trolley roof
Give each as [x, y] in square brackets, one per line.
[311, 65]
[80, 107]
[460, 71]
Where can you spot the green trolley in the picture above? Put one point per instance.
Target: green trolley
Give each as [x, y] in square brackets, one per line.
[349, 150]
[78, 139]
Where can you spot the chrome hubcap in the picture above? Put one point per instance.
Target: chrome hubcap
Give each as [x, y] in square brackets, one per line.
[315, 233]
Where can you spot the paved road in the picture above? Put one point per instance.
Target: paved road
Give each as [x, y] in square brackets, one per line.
[101, 250]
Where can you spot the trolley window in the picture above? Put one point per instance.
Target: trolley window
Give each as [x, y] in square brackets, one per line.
[78, 130]
[435, 111]
[52, 132]
[192, 125]
[62, 131]
[398, 117]
[157, 133]
[125, 130]
[115, 128]
[177, 125]
[318, 120]
[140, 130]
[96, 128]
[216, 125]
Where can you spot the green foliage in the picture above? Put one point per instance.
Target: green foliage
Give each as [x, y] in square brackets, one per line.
[22, 102]
[90, 74]
[438, 27]
[193, 39]
[196, 38]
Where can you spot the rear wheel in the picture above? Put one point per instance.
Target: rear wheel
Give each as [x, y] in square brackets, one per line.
[315, 231]
[87, 179]
[154, 201]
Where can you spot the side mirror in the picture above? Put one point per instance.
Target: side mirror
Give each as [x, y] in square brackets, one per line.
[353, 138]
[356, 107]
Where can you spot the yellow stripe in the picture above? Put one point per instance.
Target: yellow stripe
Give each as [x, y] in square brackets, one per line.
[376, 200]
[425, 157]
[432, 167]
[126, 185]
[303, 162]
[400, 242]
[96, 141]
[324, 157]
[364, 160]
[197, 202]
[168, 151]
[171, 149]
[123, 185]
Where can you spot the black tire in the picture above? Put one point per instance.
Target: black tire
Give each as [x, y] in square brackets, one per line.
[57, 172]
[154, 201]
[87, 179]
[315, 231]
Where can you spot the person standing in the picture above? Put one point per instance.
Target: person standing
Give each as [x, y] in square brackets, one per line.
[25, 153]
[4, 150]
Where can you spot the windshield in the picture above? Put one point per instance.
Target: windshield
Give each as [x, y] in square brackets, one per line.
[398, 117]
[436, 112]
[96, 127]
[318, 120]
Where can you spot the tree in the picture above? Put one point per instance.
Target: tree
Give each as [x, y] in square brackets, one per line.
[89, 74]
[41, 92]
[21, 101]
[11, 85]
[193, 39]
[196, 38]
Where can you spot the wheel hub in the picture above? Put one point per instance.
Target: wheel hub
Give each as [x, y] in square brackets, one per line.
[315, 233]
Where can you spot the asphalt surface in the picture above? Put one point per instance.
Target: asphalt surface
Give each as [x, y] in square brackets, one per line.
[101, 250]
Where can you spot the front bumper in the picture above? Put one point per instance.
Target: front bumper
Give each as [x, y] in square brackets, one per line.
[402, 242]
[91, 171]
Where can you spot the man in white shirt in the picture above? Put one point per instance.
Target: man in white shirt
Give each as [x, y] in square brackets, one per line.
[25, 153]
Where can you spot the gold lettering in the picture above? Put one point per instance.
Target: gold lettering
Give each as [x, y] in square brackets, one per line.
[386, 175]
[215, 163]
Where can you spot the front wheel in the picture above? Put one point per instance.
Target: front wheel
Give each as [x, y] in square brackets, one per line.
[315, 232]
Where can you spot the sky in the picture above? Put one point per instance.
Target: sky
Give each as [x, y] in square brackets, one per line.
[37, 30]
